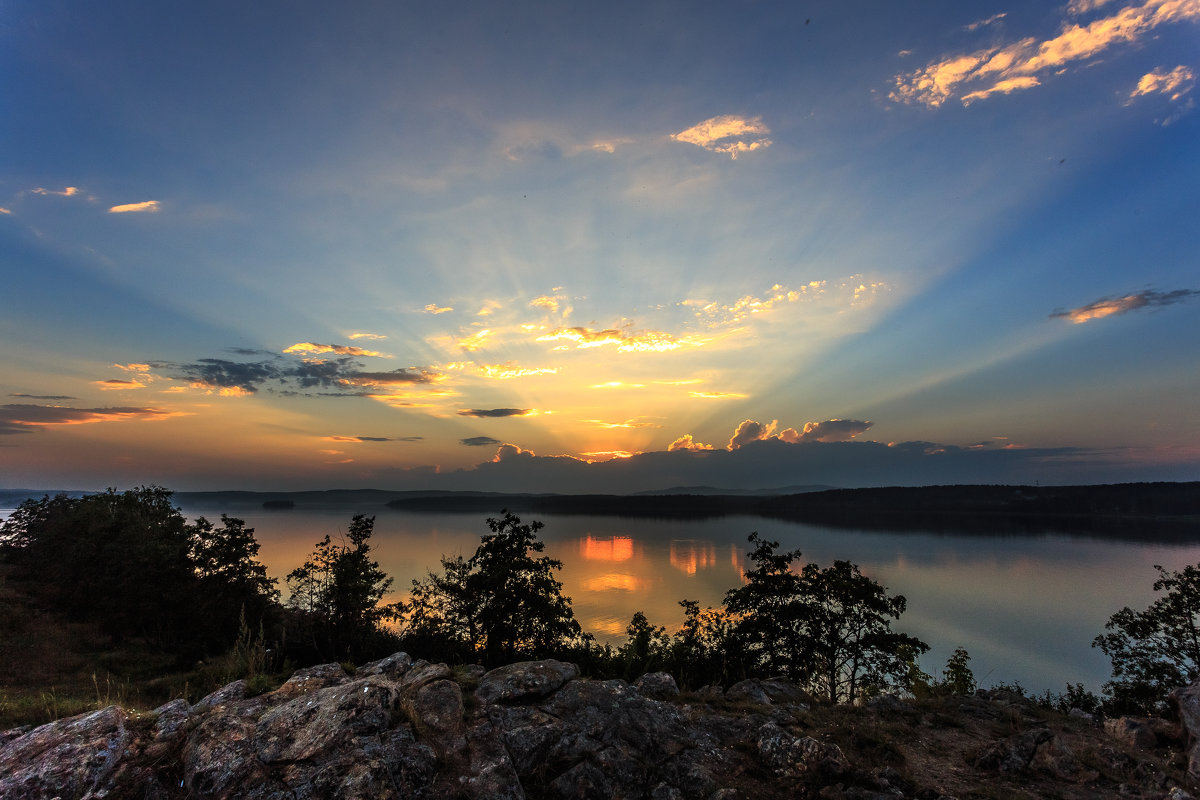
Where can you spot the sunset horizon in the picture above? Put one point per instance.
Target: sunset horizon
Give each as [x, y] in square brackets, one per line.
[564, 249]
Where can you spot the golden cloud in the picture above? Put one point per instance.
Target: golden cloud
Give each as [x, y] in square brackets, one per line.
[504, 372]
[618, 385]
[717, 395]
[1175, 84]
[474, 341]
[24, 418]
[1109, 306]
[336, 349]
[727, 134]
[70, 191]
[434, 308]
[642, 342]
[4, 210]
[372, 336]
[146, 206]
[686, 442]
[1008, 68]
[636, 422]
[117, 384]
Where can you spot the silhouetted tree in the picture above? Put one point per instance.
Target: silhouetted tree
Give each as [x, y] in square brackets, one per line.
[131, 563]
[501, 604]
[234, 590]
[339, 589]
[828, 630]
[1156, 650]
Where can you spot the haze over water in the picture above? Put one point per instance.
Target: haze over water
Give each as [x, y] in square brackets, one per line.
[1025, 607]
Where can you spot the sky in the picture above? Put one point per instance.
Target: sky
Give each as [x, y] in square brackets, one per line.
[611, 247]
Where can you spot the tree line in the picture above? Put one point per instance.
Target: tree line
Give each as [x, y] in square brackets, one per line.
[131, 563]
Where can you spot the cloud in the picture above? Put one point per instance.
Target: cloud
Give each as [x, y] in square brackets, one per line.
[750, 431]
[474, 341]
[4, 210]
[1175, 84]
[479, 441]
[617, 385]
[641, 342]
[510, 453]
[23, 418]
[831, 430]
[716, 395]
[374, 438]
[147, 206]
[983, 23]
[636, 422]
[488, 307]
[495, 412]
[70, 191]
[727, 134]
[337, 349]
[43, 396]
[1110, 306]
[115, 383]
[1003, 87]
[1078, 7]
[686, 442]
[434, 308]
[504, 372]
[372, 336]
[546, 301]
[343, 374]
[1007, 68]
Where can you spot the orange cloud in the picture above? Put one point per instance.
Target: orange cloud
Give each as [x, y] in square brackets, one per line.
[1110, 306]
[336, 349]
[1015, 66]
[474, 341]
[686, 442]
[114, 383]
[636, 422]
[1175, 84]
[643, 342]
[18, 418]
[727, 134]
[717, 395]
[146, 206]
[70, 191]
[618, 385]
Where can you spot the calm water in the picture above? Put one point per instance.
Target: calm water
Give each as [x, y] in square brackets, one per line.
[1025, 607]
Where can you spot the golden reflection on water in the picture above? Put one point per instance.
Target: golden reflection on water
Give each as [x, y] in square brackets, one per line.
[611, 548]
[690, 555]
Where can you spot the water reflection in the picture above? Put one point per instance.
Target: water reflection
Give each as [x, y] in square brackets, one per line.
[1025, 607]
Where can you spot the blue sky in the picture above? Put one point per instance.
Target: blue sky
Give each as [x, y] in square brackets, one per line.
[501, 245]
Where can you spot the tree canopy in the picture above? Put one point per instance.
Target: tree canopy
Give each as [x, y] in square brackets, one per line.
[131, 562]
[501, 604]
[339, 590]
[1156, 650]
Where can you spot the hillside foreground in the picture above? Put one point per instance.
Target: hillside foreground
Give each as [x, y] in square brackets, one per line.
[396, 728]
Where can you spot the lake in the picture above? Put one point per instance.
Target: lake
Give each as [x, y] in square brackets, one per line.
[1026, 607]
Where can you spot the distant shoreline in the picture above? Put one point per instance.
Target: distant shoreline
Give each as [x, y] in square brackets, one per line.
[1171, 509]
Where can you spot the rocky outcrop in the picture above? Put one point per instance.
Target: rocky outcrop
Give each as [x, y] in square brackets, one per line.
[397, 729]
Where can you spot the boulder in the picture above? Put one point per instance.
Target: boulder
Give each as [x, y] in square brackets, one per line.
[656, 685]
[1186, 702]
[750, 690]
[524, 680]
[74, 757]
[803, 757]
